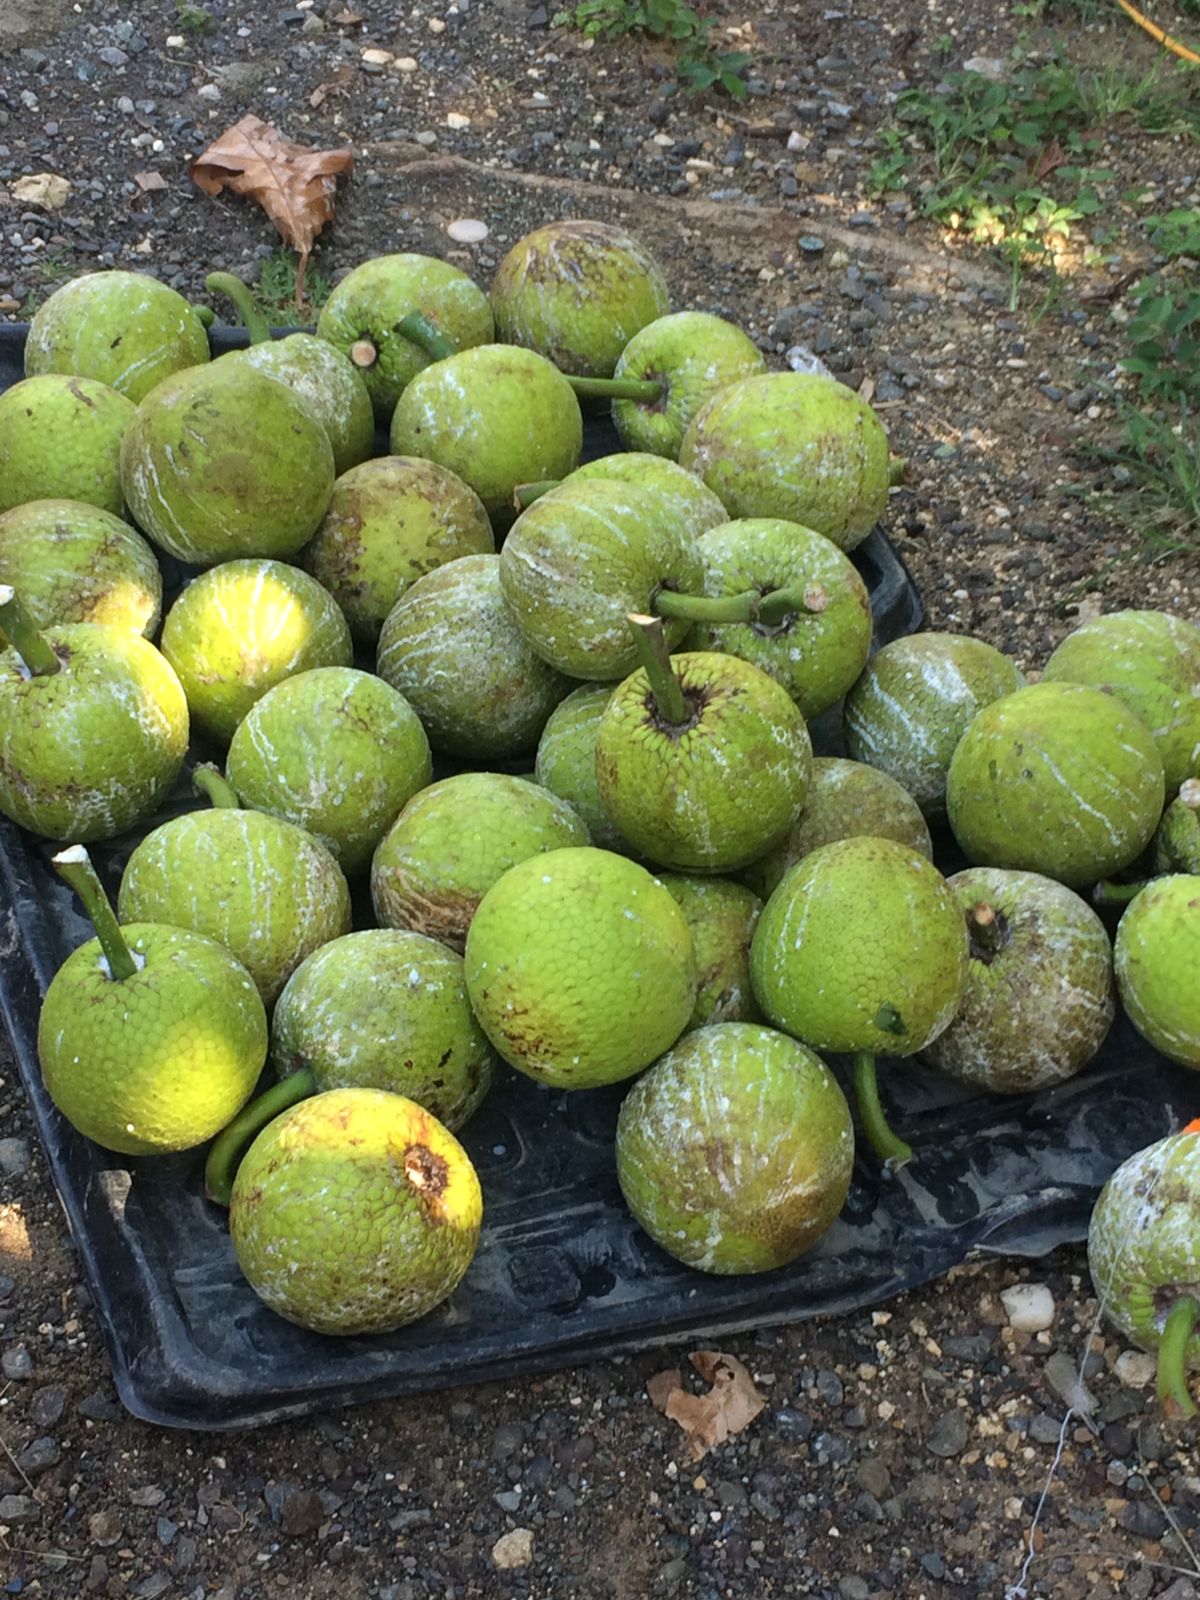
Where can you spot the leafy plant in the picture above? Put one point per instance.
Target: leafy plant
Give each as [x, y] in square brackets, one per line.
[276, 290]
[699, 66]
[887, 170]
[194, 19]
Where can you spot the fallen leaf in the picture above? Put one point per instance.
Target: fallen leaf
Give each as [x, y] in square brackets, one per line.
[294, 185]
[348, 18]
[44, 189]
[729, 1407]
[150, 182]
[662, 1386]
[1053, 155]
[866, 390]
[335, 85]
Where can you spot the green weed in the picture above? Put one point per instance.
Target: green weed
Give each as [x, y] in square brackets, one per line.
[888, 170]
[276, 290]
[194, 19]
[699, 64]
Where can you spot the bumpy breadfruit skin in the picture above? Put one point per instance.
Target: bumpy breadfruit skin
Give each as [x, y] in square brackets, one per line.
[385, 1009]
[1144, 1240]
[454, 840]
[913, 703]
[60, 439]
[450, 646]
[721, 917]
[1157, 957]
[263, 888]
[74, 562]
[580, 967]
[735, 1150]
[355, 1212]
[566, 761]
[159, 1061]
[1040, 998]
[694, 355]
[1056, 778]
[577, 292]
[862, 947]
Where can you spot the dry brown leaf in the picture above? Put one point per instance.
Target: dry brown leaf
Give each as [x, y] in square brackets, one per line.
[729, 1407]
[662, 1386]
[294, 185]
[348, 18]
[150, 182]
[44, 189]
[335, 85]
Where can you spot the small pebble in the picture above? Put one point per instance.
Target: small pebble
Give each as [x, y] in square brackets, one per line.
[16, 1363]
[457, 121]
[467, 230]
[1136, 1368]
[16, 1508]
[14, 1157]
[513, 1549]
[1029, 1307]
[948, 1436]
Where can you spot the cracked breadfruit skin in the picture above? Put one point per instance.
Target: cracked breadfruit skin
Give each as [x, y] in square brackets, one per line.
[125, 329]
[221, 462]
[454, 840]
[735, 1151]
[385, 1009]
[60, 439]
[721, 917]
[94, 748]
[265, 889]
[580, 967]
[577, 292]
[1059, 779]
[1144, 1240]
[74, 562]
[845, 800]
[1150, 660]
[716, 792]
[1157, 955]
[159, 1061]
[241, 628]
[913, 703]
[1039, 998]
[862, 947]
[796, 446]
[450, 646]
[355, 1211]
[336, 751]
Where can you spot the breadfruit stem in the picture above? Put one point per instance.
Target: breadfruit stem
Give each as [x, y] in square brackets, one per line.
[417, 328]
[742, 607]
[207, 780]
[888, 1146]
[230, 1144]
[791, 601]
[234, 289]
[645, 390]
[205, 315]
[1173, 1393]
[1107, 893]
[665, 688]
[74, 865]
[526, 493]
[34, 649]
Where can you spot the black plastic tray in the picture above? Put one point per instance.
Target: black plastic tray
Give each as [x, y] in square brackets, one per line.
[562, 1272]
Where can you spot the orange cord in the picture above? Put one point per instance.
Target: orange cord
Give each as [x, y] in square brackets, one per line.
[1192, 1127]
[1157, 34]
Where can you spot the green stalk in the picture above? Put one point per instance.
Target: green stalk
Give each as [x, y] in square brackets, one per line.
[1173, 1392]
[207, 780]
[888, 1146]
[205, 315]
[74, 865]
[34, 648]
[526, 493]
[665, 688]
[792, 601]
[742, 607]
[1107, 893]
[417, 327]
[646, 390]
[230, 1144]
[234, 289]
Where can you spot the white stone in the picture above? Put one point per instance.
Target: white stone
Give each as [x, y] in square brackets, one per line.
[1029, 1307]
[405, 64]
[514, 1549]
[377, 58]
[209, 91]
[436, 25]
[468, 230]
[1136, 1368]
[174, 41]
[457, 121]
[986, 66]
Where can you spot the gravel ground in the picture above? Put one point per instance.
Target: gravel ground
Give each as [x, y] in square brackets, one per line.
[903, 1452]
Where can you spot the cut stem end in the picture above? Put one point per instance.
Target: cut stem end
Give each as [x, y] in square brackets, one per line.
[665, 689]
[74, 866]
